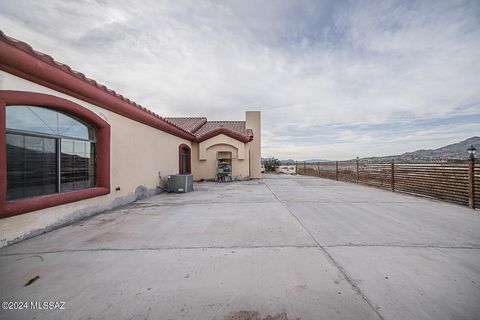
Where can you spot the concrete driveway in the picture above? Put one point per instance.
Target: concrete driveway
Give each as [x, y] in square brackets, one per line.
[279, 248]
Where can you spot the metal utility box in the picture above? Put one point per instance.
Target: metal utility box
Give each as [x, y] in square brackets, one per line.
[180, 183]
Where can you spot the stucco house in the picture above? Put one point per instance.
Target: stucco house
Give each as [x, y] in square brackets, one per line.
[71, 147]
[235, 140]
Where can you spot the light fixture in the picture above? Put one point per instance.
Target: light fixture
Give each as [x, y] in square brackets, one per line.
[471, 151]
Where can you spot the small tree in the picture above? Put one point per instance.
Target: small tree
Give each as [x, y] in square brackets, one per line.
[271, 164]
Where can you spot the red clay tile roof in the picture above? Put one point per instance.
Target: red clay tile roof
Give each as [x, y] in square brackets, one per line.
[191, 124]
[204, 129]
[238, 126]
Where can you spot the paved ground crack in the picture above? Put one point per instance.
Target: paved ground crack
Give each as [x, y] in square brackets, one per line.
[38, 253]
[355, 288]
[161, 249]
[189, 203]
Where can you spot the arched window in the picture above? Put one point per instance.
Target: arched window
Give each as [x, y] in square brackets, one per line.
[185, 159]
[47, 152]
[52, 151]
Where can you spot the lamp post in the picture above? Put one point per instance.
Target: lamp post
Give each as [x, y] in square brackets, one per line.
[471, 177]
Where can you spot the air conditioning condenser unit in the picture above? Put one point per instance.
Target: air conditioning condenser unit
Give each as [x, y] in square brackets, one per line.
[180, 183]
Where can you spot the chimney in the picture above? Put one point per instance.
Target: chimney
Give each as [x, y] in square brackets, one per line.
[253, 122]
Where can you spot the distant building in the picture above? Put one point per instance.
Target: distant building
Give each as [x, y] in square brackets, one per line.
[288, 169]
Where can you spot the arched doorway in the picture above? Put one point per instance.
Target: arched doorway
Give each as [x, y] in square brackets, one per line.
[185, 159]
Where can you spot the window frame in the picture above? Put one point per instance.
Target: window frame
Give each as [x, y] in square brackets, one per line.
[58, 138]
[19, 206]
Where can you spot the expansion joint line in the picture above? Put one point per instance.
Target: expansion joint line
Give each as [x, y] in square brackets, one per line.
[33, 254]
[355, 288]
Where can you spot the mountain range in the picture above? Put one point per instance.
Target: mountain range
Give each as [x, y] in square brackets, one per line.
[451, 152]
[455, 151]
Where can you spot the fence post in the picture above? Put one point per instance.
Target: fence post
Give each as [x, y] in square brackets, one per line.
[296, 167]
[392, 169]
[318, 168]
[471, 183]
[356, 175]
[336, 169]
[305, 167]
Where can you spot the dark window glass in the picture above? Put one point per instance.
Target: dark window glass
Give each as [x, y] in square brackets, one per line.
[78, 164]
[90, 155]
[47, 152]
[67, 165]
[50, 166]
[38, 176]
[15, 166]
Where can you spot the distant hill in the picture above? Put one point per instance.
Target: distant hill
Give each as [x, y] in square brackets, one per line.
[287, 162]
[283, 162]
[316, 160]
[455, 151]
[452, 152]
[291, 161]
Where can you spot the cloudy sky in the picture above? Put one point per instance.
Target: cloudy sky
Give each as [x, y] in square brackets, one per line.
[333, 79]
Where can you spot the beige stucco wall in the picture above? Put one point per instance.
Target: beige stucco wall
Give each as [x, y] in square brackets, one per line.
[253, 121]
[203, 146]
[138, 153]
[247, 156]
[207, 168]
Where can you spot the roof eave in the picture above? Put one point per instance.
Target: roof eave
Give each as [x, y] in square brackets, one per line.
[230, 133]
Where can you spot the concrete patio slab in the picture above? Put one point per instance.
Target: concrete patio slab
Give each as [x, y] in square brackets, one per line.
[401, 223]
[172, 226]
[312, 189]
[287, 247]
[416, 283]
[186, 284]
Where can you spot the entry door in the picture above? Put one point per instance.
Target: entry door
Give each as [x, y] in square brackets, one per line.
[185, 161]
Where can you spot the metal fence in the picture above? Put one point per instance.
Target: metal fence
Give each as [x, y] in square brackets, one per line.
[453, 182]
